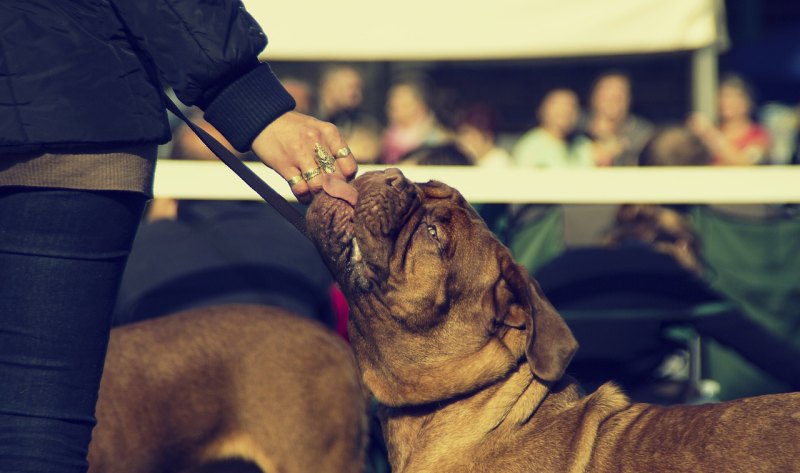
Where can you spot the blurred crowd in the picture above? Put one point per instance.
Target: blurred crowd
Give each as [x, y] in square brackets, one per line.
[568, 130]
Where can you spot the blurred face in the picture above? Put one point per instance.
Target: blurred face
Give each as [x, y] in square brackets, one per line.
[342, 90]
[404, 106]
[472, 140]
[559, 111]
[734, 103]
[611, 97]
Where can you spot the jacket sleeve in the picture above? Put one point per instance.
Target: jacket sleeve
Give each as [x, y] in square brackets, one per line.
[207, 51]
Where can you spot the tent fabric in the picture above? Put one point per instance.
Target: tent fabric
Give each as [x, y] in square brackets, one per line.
[756, 263]
[449, 29]
[535, 235]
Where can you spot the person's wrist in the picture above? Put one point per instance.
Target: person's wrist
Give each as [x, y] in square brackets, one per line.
[248, 105]
[261, 142]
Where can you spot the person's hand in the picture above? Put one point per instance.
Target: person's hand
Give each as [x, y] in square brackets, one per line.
[699, 124]
[606, 150]
[287, 146]
[704, 128]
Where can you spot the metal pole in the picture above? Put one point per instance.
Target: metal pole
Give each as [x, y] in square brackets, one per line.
[705, 74]
[705, 78]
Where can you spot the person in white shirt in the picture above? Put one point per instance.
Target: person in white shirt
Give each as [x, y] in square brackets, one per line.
[554, 142]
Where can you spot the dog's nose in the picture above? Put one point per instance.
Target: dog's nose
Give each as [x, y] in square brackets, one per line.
[395, 178]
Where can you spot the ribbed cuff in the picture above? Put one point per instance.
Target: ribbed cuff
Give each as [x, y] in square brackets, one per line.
[248, 105]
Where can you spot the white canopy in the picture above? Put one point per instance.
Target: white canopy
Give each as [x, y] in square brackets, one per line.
[496, 29]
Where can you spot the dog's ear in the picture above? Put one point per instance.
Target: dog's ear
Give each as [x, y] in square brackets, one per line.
[520, 304]
[552, 345]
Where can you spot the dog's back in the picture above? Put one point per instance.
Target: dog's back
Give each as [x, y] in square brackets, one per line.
[231, 381]
[605, 433]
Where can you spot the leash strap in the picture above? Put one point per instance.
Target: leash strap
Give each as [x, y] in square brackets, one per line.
[245, 173]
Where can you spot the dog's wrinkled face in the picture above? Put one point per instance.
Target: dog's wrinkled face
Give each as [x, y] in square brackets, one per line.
[438, 308]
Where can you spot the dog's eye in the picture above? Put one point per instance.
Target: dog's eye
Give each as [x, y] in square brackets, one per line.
[433, 233]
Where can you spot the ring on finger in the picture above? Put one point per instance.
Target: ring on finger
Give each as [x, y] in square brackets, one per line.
[343, 152]
[312, 173]
[324, 158]
[294, 180]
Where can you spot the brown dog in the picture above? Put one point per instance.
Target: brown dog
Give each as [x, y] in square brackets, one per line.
[662, 229]
[468, 356]
[248, 382]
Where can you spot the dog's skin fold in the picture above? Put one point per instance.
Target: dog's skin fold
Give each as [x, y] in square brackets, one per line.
[467, 356]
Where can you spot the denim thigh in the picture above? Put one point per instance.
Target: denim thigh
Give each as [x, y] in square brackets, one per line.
[62, 253]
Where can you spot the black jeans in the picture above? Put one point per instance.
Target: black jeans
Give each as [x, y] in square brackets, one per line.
[62, 253]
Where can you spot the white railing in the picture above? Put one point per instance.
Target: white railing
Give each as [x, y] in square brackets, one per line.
[719, 185]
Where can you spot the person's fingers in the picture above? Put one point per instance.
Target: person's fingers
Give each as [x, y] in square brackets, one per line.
[299, 145]
[291, 154]
[295, 181]
[313, 177]
[306, 157]
[337, 147]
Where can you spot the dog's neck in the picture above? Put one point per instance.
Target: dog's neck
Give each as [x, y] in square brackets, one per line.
[413, 433]
[423, 383]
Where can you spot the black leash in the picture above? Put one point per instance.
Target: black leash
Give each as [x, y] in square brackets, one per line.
[245, 173]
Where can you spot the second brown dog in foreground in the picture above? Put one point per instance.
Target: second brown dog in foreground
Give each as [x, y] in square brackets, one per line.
[249, 382]
[468, 356]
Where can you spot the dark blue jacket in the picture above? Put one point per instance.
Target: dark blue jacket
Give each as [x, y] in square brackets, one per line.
[87, 73]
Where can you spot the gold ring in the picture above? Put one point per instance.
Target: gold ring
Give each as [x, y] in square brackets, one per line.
[312, 173]
[325, 160]
[294, 180]
[344, 152]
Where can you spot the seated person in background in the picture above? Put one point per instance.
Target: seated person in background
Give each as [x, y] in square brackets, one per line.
[664, 229]
[411, 120]
[446, 154]
[617, 134]
[659, 228]
[476, 130]
[782, 124]
[340, 102]
[554, 142]
[737, 140]
[674, 146]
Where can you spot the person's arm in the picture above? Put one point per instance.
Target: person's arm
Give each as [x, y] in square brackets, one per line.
[753, 153]
[723, 150]
[208, 53]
